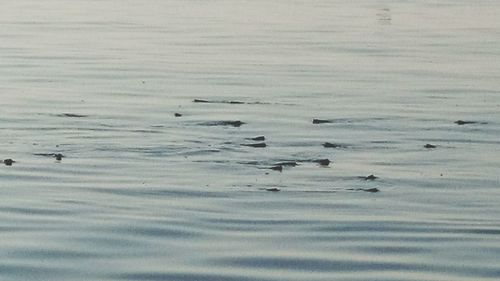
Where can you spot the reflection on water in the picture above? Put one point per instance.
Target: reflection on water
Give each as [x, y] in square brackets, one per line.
[174, 140]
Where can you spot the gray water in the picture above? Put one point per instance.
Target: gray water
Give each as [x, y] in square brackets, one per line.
[143, 195]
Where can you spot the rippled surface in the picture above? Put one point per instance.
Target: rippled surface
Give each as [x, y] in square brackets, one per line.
[143, 195]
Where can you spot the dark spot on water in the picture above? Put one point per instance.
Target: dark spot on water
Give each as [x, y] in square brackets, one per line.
[223, 123]
[8, 162]
[321, 121]
[256, 145]
[462, 122]
[58, 156]
[258, 103]
[259, 138]
[44, 154]
[177, 114]
[369, 178]
[249, 163]
[228, 102]
[384, 16]
[277, 168]
[72, 115]
[322, 162]
[333, 145]
[272, 189]
[201, 101]
[214, 101]
[429, 146]
[287, 163]
[372, 190]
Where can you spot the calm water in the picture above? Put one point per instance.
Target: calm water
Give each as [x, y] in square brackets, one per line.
[143, 195]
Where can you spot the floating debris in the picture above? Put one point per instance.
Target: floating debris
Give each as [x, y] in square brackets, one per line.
[429, 146]
[256, 145]
[177, 115]
[259, 138]
[321, 121]
[223, 123]
[8, 162]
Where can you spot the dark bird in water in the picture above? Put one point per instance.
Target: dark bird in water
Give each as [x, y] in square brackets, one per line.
[272, 189]
[177, 114]
[58, 156]
[8, 162]
[429, 146]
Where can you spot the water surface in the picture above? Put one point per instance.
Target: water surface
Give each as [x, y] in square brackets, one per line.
[144, 195]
